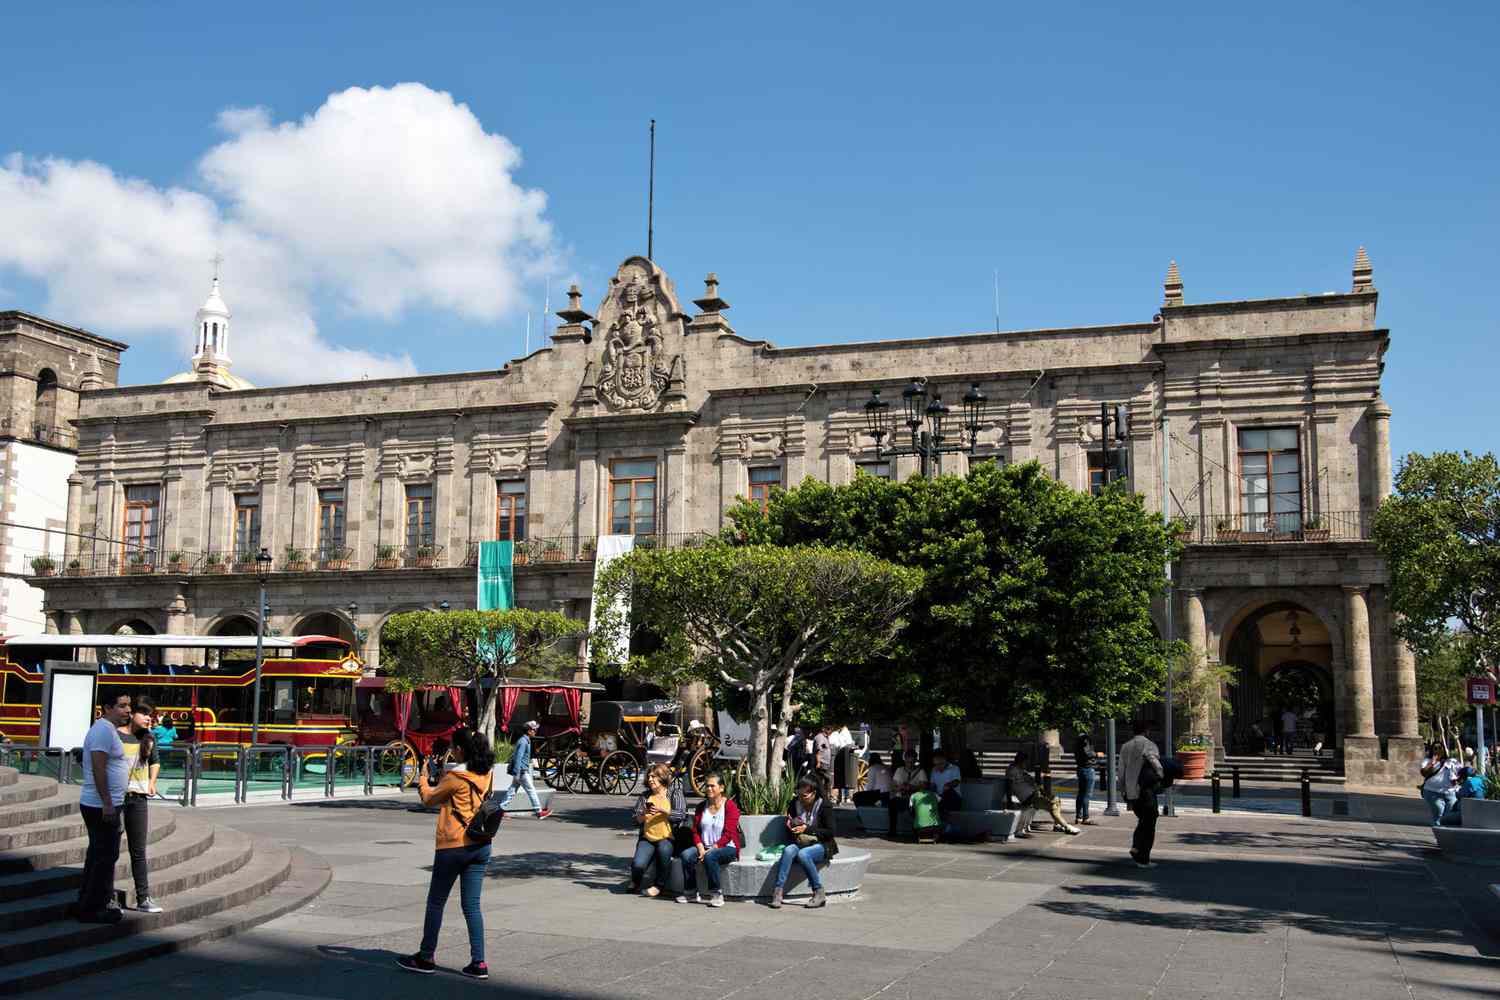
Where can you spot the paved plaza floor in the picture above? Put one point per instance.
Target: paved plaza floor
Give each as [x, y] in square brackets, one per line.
[1242, 905]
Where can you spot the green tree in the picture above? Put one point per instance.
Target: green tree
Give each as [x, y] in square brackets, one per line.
[753, 619]
[456, 647]
[1035, 605]
[1440, 535]
[1442, 700]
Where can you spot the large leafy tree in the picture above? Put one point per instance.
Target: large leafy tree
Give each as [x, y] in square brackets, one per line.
[1440, 535]
[456, 647]
[1035, 604]
[1442, 700]
[754, 619]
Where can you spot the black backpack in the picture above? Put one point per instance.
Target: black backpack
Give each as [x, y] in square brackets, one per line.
[485, 823]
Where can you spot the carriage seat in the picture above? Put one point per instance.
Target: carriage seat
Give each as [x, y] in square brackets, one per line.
[751, 879]
[663, 750]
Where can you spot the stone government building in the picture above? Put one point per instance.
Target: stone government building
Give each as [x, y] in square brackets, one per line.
[648, 419]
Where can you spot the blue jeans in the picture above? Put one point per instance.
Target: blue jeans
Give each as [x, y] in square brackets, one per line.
[522, 780]
[465, 865]
[1440, 803]
[712, 859]
[1086, 778]
[647, 851]
[807, 857]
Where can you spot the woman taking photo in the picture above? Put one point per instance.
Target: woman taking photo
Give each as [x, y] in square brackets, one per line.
[458, 857]
[809, 819]
[143, 764]
[659, 810]
[716, 841]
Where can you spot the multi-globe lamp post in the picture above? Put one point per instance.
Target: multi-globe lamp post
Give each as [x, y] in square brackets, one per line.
[927, 419]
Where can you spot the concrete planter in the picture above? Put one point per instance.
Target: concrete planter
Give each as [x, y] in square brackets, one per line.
[1481, 814]
[763, 831]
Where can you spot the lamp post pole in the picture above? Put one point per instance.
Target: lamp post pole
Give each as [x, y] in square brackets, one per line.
[926, 419]
[262, 570]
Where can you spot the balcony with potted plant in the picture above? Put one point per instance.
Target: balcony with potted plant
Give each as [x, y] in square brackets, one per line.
[43, 566]
[386, 557]
[74, 568]
[1314, 530]
[294, 560]
[424, 556]
[177, 562]
[140, 561]
[213, 563]
[244, 561]
[334, 557]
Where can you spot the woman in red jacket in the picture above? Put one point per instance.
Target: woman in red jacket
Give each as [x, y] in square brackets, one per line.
[716, 841]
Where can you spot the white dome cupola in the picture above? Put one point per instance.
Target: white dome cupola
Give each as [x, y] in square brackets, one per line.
[211, 337]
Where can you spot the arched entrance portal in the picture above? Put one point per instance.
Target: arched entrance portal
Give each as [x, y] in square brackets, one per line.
[126, 657]
[1283, 659]
[232, 625]
[326, 623]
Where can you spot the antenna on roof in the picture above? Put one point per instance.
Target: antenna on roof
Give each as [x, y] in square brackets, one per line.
[997, 300]
[651, 198]
[527, 351]
[546, 306]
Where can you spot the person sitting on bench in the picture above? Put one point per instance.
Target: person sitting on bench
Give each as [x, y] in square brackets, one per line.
[907, 781]
[945, 781]
[877, 784]
[1025, 791]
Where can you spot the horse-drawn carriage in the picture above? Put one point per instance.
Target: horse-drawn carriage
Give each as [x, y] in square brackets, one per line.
[624, 738]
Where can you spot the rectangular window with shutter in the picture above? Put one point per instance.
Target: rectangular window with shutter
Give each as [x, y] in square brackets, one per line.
[880, 470]
[331, 525]
[762, 482]
[510, 510]
[246, 527]
[419, 524]
[632, 497]
[142, 522]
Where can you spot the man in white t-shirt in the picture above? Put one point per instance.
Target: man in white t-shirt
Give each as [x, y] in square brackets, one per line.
[106, 772]
[1439, 783]
[945, 782]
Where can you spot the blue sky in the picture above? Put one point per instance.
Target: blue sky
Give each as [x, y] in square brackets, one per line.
[849, 175]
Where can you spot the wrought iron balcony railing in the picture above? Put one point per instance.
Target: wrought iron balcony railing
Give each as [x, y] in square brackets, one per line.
[1239, 529]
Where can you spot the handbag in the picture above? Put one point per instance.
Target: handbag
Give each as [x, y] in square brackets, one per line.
[806, 840]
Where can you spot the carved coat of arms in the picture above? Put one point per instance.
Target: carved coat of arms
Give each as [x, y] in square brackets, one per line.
[635, 368]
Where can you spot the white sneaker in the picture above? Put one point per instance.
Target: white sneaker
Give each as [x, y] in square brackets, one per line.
[147, 905]
[718, 899]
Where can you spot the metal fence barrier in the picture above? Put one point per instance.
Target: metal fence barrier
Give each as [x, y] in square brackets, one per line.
[204, 768]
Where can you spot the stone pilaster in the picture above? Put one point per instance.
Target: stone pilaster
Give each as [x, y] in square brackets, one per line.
[1195, 631]
[1360, 687]
[1378, 422]
[71, 545]
[1403, 690]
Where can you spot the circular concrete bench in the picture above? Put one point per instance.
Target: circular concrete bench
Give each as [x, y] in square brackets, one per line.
[751, 879]
[978, 816]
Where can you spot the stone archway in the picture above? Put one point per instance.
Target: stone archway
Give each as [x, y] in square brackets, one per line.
[1266, 639]
[127, 657]
[326, 622]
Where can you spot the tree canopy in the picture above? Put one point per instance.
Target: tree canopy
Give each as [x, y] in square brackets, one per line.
[456, 647]
[1035, 603]
[1440, 535]
[1442, 698]
[754, 619]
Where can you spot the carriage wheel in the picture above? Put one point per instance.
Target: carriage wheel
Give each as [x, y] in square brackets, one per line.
[863, 777]
[698, 769]
[573, 772]
[619, 773]
[398, 760]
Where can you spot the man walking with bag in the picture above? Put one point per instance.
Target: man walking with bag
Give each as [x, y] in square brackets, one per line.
[519, 770]
[1140, 775]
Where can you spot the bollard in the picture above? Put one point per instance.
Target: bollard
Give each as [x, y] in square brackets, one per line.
[1215, 777]
[1306, 794]
[1236, 792]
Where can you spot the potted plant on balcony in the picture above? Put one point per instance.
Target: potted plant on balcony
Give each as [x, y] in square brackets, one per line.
[1314, 530]
[1227, 530]
[424, 557]
[586, 550]
[295, 560]
[520, 553]
[385, 557]
[213, 563]
[43, 566]
[75, 568]
[335, 557]
[1182, 529]
[552, 550]
[139, 561]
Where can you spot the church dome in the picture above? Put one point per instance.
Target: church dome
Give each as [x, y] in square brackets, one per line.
[211, 345]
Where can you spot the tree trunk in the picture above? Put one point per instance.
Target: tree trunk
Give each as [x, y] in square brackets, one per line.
[759, 732]
[778, 755]
[487, 714]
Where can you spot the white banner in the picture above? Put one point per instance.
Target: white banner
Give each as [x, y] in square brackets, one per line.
[734, 737]
[611, 547]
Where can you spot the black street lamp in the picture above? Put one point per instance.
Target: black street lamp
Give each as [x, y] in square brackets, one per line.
[263, 562]
[926, 419]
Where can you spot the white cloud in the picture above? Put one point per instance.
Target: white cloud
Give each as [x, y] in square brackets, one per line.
[383, 200]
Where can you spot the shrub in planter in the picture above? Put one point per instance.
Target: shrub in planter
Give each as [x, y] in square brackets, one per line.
[295, 560]
[176, 563]
[425, 556]
[75, 568]
[213, 563]
[385, 557]
[43, 566]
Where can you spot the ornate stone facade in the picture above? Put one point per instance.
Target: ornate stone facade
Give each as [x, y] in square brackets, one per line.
[1267, 414]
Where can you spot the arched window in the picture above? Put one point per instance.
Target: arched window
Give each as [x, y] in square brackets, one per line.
[216, 339]
[44, 412]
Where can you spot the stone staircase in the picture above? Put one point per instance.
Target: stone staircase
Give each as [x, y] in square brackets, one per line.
[211, 881]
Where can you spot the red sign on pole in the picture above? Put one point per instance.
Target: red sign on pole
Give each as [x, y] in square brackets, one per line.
[1481, 691]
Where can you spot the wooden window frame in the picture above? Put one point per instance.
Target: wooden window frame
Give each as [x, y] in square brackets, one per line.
[1270, 520]
[243, 512]
[150, 525]
[325, 508]
[426, 508]
[760, 493]
[630, 516]
[509, 508]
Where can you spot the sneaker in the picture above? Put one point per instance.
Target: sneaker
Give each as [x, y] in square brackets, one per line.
[544, 813]
[680, 898]
[1145, 864]
[1071, 831]
[698, 897]
[1022, 835]
[776, 898]
[651, 891]
[820, 898]
[146, 904]
[105, 916]
[416, 963]
[717, 900]
[476, 970]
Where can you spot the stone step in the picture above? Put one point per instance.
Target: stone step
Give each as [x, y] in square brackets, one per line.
[38, 810]
[25, 788]
[48, 831]
[307, 875]
[188, 839]
[71, 851]
[268, 866]
[230, 852]
[8, 776]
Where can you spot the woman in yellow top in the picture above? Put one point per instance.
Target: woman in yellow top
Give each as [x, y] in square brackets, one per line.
[458, 857]
[660, 808]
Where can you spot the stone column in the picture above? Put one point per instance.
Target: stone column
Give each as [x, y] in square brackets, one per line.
[1195, 631]
[177, 624]
[1404, 689]
[1378, 419]
[56, 621]
[71, 546]
[1361, 718]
